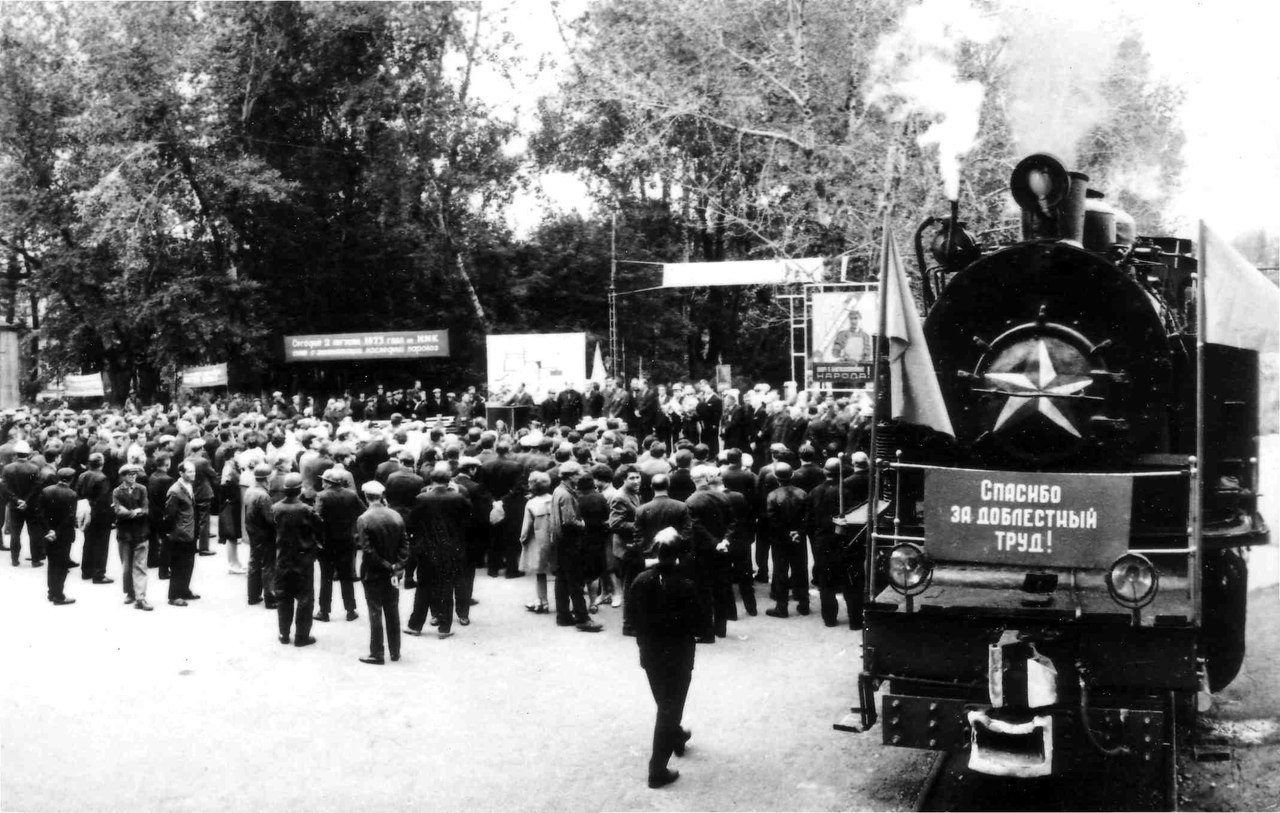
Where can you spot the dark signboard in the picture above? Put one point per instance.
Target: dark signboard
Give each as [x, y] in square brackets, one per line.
[404, 344]
[1026, 518]
[849, 373]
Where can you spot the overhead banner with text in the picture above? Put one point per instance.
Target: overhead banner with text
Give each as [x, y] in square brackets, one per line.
[210, 375]
[744, 272]
[403, 344]
[81, 386]
[1026, 518]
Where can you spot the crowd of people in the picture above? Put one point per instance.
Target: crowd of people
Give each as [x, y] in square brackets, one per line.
[582, 497]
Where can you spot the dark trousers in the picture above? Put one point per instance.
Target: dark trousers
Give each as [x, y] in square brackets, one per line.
[59, 552]
[790, 573]
[262, 566]
[328, 570]
[629, 567]
[508, 532]
[182, 562]
[832, 575]
[35, 533]
[463, 588]
[296, 592]
[434, 595]
[715, 594]
[155, 543]
[740, 574]
[97, 544]
[670, 687]
[571, 599]
[202, 509]
[382, 600]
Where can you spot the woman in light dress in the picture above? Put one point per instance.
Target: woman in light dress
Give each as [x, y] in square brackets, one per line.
[538, 553]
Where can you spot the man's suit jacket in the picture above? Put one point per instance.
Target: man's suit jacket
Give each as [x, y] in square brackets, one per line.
[180, 515]
[661, 512]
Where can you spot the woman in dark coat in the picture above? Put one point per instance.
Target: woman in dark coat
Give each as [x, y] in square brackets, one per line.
[230, 513]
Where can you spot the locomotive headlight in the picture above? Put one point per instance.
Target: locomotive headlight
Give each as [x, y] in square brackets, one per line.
[910, 570]
[1133, 581]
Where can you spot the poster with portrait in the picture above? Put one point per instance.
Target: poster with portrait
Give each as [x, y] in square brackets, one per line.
[842, 337]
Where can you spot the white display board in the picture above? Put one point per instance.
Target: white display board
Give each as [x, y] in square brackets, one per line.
[540, 361]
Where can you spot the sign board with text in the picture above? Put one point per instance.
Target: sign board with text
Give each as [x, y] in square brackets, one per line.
[845, 373]
[402, 344]
[210, 375]
[1026, 518]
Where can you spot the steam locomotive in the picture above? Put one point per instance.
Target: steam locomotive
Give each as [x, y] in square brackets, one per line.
[1061, 586]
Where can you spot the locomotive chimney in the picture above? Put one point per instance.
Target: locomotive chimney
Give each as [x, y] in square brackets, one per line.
[1071, 210]
[1039, 184]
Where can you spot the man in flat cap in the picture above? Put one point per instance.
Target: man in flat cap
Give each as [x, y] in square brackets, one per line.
[440, 517]
[132, 513]
[57, 513]
[338, 508]
[299, 537]
[262, 539]
[94, 487]
[21, 484]
[385, 548]
[476, 535]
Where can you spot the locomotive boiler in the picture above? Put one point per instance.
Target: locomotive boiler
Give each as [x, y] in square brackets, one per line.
[1062, 584]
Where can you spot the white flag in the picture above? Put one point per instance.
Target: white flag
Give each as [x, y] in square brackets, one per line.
[1241, 306]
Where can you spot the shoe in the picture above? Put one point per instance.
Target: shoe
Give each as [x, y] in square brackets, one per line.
[129, 599]
[15, 564]
[593, 609]
[442, 634]
[589, 626]
[39, 564]
[191, 596]
[321, 617]
[61, 601]
[433, 621]
[663, 779]
[685, 736]
[493, 574]
[830, 623]
[411, 631]
[206, 552]
[751, 611]
[254, 601]
[270, 605]
[565, 622]
[143, 605]
[372, 660]
[627, 631]
[776, 613]
[352, 615]
[178, 602]
[762, 578]
[472, 602]
[395, 657]
[540, 609]
[803, 609]
[466, 622]
[616, 602]
[516, 575]
[308, 641]
[284, 639]
[163, 575]
[706, 639]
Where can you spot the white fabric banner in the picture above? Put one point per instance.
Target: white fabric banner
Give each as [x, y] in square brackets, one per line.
[210, 375]
[1242, 307]
[743, 272]
[83, 386]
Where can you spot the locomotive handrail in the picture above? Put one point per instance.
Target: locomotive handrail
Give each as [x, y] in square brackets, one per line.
[926, 467]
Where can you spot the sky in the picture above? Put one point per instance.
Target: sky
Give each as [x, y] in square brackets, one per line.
[1221, 54]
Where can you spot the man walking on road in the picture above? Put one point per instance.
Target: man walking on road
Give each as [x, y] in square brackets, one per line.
[666, 616]
[385, 546]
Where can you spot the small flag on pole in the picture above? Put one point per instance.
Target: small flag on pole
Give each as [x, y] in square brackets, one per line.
[914, 391]
[1241, 306]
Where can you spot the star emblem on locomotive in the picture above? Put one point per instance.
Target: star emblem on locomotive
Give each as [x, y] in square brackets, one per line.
[1033, 391]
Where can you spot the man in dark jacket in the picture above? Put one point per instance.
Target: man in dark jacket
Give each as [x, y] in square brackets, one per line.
[830, 569]
[665, 612]
[569, 406]
[94, 487]
[206, 480]
[385, 549]
[477, 533]
[262, 539]
[180, 518]
[21, 483]
[786, 510]
[712, 521]
[647, 409]
[57, 513]
[710, 410]
[129, 504]
[440, 517]
[299, 537]
[505, 478]
[158, 483]
[338, 508]
[567, 534]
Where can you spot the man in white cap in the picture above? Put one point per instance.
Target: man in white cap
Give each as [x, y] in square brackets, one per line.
[385, 547]
[132, 512]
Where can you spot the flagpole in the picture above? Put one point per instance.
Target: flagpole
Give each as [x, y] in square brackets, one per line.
[1195, 520]
[877, 373]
